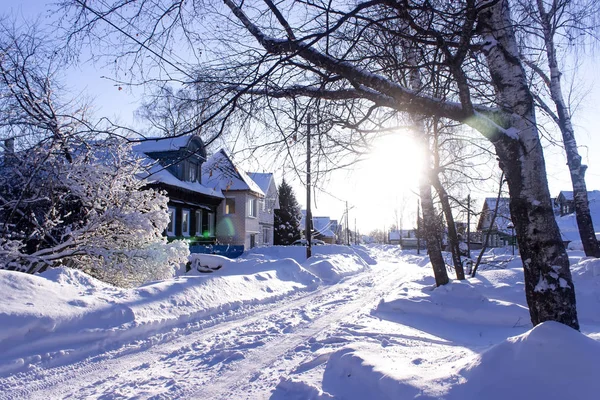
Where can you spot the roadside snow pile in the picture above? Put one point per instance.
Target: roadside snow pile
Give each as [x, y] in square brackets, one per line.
[331, 263]
[586, 278]
[33, 305]
[331, 268]
[550, 361]
[471, 301]
[64, 307]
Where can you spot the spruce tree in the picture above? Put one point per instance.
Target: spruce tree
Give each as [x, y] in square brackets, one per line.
[287, 218]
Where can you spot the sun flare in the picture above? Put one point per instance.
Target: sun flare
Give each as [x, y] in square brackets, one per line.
[396, 162]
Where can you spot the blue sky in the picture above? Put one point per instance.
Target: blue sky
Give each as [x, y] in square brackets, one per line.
[369, 189]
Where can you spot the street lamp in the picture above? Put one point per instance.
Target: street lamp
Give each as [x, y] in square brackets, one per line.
[512, 239]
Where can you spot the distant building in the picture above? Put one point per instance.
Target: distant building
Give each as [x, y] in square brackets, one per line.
[501, 231]
[323, 228]
[397, 237]
[238, 215]
[564, 201]
[268, 205]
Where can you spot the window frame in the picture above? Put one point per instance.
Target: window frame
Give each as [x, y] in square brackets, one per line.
[172, 221]
[185, 217]
[227, 206]
[192, 170]
[252, 207]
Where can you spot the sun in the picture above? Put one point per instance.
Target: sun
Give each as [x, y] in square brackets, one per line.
[396, 161]
[387, 182]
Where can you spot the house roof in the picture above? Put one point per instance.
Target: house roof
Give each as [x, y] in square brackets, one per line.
[502, 218]
[592, 194]
[219, 172]
[156, 173]
[321, 225]
[152, 145]
[263, 180]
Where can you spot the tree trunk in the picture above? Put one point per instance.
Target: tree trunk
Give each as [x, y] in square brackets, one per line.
[489, 231]
[576, 169]
[429, 230]
[452, 235]
[548, 283]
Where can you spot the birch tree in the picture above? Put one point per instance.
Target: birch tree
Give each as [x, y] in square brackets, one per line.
[325, 50]
[544, 23]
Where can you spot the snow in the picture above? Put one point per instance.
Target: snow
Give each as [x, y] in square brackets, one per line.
[351, 322]
[568, 224]
[220, 172]
[593, 195]
[263, 180]
[152, 145]
[157, 173]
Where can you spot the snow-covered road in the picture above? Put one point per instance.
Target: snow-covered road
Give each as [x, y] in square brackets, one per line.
[241, 354]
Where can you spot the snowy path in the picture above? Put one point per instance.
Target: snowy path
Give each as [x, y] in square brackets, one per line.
[242, 356]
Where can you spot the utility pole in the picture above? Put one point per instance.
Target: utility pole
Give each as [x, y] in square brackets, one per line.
[418, 228]
[469, 225]
[347, 226]
[308, 221]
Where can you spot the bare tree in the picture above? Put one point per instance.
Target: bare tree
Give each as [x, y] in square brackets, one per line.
[70, 193]
[325, 50]
[546, 23]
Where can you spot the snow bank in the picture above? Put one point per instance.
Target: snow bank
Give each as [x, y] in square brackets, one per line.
[41, 313]
[332, 268]
[586, 278]
[551, 361]
[460, 301]
[329, 262]
[360, 372]
[298, 253]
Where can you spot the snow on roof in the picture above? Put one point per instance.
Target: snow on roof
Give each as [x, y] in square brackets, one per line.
[152, 145]
[157, 173]
[220, 172]
[592, 194]
[263, 180]
[323, 226]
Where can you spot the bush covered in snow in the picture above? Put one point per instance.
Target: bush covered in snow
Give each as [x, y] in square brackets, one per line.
[88, 211]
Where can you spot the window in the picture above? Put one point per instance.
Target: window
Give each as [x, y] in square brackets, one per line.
[266, 235]
[211, 224]
[252, 207]
[192, 172]
[263, 204]
[171, 225]
[229, 206]
[199, 223]
[185, 223]
[253, 240]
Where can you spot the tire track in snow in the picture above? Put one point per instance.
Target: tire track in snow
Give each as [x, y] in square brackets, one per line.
[244, 380]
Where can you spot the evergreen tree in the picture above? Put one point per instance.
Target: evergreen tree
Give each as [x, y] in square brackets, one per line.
[287, 218]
